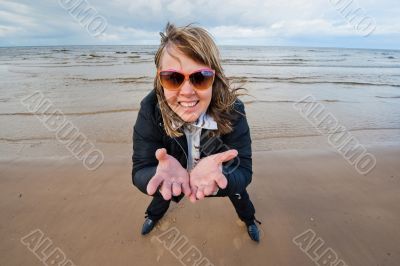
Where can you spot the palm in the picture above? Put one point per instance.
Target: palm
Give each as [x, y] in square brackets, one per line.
[170, 176]
[207, 176]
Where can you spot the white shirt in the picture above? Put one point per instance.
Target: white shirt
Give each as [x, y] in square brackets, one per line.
[193, 135]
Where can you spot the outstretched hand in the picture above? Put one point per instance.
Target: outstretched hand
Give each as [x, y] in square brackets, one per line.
[207, 176]
[170, 175]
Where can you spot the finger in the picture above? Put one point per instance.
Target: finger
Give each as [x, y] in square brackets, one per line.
[200, 193]
[186, 188]
[161, 154]
[221, 181]
[166, 190]
[226, 156]
[208, 190]
[153, 184]
[176, 189]
[192, 196]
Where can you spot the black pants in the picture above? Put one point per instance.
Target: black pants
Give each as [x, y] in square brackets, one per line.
[241, 202]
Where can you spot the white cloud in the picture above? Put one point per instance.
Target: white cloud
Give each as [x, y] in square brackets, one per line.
[309, 27]
[128, 35]
[238, 21]
[8, 30]
[181, 9]
[235, 32]
[10, 17]
[15, 7]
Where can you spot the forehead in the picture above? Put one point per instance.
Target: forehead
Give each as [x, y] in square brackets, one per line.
[173, 58]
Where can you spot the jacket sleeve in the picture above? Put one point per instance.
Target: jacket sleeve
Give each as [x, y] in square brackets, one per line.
[146, 140]
[239, 170]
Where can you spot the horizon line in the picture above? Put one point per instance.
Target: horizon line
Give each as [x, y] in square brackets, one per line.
[219, 45]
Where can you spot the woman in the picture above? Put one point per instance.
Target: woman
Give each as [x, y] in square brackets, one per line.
[191, 135]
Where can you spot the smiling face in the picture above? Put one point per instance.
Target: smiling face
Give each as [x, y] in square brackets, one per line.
[187, 102]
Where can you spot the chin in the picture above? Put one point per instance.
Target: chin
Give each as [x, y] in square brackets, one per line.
[189, 118]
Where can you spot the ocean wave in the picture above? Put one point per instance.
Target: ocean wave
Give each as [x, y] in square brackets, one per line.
[239, 60]
[292, 101]
[317, 51]
[24, 139]
[60, 50]
[65, 65]
[109, 57]
[283, 135]
[295, 59]
[315, 64]
[306, 80]
[352, 83]
[74, 113]
[95, 56]
[388, 97]
[275, 78]
[280, 62]
[42, 139]
[142, 79]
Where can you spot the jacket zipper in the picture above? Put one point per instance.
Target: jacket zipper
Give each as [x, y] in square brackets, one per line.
[184, 152]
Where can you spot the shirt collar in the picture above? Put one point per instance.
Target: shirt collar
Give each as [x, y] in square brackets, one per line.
[204, 121]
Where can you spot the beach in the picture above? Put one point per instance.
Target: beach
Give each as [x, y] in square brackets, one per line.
[312, 200]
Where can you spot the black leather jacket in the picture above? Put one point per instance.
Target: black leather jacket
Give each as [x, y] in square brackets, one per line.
[149, 135]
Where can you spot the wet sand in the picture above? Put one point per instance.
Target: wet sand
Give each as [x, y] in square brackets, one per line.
[95, 217]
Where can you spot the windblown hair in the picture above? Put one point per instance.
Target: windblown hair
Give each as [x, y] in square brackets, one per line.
[196, 43]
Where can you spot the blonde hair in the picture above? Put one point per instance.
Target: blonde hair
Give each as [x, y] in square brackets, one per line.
[196, 43]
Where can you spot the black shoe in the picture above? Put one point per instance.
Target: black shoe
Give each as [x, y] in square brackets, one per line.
[253, 231]
[148, 225]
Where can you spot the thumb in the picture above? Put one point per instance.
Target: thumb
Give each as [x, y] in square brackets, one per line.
[226, 156]
[161, 154]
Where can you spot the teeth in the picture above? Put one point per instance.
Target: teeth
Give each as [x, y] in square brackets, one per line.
[188, 104]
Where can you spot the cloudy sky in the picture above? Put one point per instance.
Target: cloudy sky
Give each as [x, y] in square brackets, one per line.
[325, 23]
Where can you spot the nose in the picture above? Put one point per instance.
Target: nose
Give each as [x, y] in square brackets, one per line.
[187, 88]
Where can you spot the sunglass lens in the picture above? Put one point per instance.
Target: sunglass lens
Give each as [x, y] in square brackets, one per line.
[171, 80]
[202, 80]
